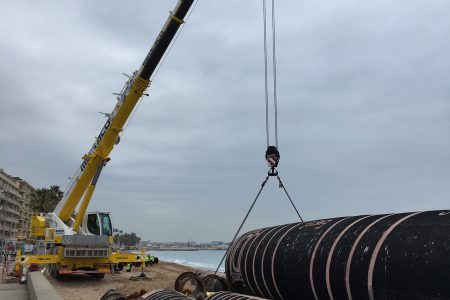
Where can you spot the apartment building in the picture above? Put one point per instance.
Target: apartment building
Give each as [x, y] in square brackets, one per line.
[25, 213]
[15, 211]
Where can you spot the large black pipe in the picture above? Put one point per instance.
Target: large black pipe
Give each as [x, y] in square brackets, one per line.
[392, 256]
[164, 38]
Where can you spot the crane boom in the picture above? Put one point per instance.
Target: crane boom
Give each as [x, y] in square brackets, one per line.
[85, 244]
[127, 100]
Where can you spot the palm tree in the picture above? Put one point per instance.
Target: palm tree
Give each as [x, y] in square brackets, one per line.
[45, 200]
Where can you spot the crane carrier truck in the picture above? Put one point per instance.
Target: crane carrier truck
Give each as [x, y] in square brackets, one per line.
[70, 240]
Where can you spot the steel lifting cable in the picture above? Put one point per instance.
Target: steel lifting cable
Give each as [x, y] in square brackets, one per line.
[274, 74]
[272, 154]
[71, 179]
[75, 175]
[274, 66]
[177, 35]
[266, 85]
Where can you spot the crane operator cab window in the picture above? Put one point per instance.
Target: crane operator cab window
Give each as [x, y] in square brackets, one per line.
[92, 224]
[99, 224]
[106, 224]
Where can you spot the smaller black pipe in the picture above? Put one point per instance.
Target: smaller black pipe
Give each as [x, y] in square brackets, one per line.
[213, 282]
[231, 296]
[189, 282]
[164, 295]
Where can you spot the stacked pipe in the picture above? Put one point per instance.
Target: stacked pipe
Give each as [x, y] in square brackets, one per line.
[197, 284]
[190, 284]
[173, 295]
[112, 294]
[231, 296]
[213, 282]
[164, 295]
[391, 256]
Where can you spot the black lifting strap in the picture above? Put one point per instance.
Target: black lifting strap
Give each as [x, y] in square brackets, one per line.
[243, 222]
[273, 158]
[272, 172]
[281, 185]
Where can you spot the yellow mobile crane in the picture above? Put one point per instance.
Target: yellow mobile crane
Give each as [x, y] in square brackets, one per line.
[82, 244]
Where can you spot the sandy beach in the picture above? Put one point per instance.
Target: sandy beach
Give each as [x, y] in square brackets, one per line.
[162, 276]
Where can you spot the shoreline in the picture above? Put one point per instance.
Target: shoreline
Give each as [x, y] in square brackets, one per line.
[184, 249]
[193, 261]
[196, 267]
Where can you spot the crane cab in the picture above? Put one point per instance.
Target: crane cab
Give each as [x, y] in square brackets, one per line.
[97, 223]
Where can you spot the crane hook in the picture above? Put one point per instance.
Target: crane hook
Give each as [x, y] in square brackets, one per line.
[272, 158]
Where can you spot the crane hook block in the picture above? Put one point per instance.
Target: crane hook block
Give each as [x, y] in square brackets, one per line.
[272, 156]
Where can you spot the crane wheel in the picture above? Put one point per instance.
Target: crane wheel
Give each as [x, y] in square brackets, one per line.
[54, 271]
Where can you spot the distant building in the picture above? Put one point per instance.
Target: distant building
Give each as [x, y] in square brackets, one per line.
[216, 243]
[25, 190]
[15, 210]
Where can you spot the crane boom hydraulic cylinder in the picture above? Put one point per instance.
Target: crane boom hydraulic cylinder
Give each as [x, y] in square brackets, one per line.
[132, 92]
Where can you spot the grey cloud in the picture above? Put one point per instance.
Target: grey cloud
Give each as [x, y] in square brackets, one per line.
[364, 113]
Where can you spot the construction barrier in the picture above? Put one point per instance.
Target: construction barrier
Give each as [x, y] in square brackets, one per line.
[40, 288]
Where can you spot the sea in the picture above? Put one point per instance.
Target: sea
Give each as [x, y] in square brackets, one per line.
[205, 259]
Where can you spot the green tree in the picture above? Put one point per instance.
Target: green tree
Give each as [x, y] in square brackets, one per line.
[45, 199]
[126, 239]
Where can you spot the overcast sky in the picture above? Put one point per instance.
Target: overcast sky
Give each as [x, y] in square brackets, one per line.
[364, 109]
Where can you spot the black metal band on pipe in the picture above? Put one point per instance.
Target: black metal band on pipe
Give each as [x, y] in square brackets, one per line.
[164, 38]
[391, 256]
